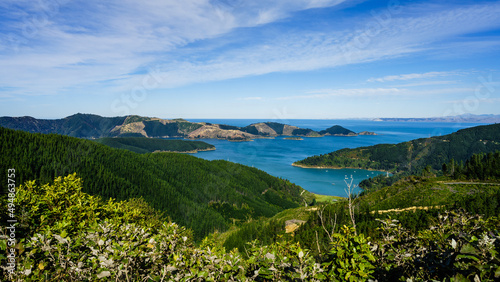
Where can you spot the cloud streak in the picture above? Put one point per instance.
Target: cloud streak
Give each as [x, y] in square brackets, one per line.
[412, 76]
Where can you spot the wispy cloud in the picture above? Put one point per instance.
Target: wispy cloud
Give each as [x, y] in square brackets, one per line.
[306, 50]
[412, 76]
[93, 41]
[429, 83]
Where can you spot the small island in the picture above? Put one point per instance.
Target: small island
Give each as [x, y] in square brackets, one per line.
[293, 138]
[367, 133]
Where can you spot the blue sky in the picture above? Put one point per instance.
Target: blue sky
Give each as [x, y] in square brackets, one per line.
[315, 59]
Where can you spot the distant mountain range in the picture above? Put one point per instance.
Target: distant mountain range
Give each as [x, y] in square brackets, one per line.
[94, 126]
[468, 118]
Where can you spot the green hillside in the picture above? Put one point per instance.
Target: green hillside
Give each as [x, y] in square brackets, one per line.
[202, 195]
[78, 125]
[413, 155]
[149, 145]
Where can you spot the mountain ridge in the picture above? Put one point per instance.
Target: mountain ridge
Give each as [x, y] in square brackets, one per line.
[94, 126]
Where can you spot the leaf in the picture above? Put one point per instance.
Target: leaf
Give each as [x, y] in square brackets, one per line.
[467, 257]
[469, 249]
[104, 274]
[453, 243]
[497, 272]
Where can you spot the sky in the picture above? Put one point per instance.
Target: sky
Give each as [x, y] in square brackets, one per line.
[282, 59]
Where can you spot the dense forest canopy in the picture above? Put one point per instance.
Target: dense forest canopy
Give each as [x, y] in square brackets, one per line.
[202, 195]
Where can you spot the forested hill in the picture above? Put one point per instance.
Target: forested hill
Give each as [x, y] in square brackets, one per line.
[200, 194]
[94, 126]
[78, 125]
[143, 145]
[413, 155]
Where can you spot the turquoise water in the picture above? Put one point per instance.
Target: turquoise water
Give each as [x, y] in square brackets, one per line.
[275, 156]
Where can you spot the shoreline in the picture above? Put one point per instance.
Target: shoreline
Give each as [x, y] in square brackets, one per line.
[188, 152]
[332, 167]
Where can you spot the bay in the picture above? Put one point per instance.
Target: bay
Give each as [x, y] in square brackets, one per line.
[275, 156]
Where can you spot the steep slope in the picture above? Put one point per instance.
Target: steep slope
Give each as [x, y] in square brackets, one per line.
[218, 132]
[203, 195]
[415, 154]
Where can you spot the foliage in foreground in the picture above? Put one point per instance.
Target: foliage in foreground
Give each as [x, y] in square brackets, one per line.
[68, 235]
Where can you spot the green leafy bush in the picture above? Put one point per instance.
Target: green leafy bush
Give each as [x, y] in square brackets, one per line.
[350, 257]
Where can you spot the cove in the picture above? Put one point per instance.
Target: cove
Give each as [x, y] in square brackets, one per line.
[276, 155]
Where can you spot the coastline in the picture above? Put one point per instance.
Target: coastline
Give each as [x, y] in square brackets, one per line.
[187, 152]
[336, 167]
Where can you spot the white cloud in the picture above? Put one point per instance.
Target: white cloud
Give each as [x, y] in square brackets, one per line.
[303, 51]
[429, 83]
[412, 76]
[93, 41]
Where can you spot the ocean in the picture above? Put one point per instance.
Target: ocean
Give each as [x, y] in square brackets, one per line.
[275, 156]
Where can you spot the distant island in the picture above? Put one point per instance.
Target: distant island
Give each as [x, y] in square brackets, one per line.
[467, 118]
[293, 138]
[93, 126]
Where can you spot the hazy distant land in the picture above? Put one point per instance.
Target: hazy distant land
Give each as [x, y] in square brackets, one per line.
[468, 118]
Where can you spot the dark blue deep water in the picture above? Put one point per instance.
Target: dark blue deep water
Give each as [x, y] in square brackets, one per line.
[275, 156]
